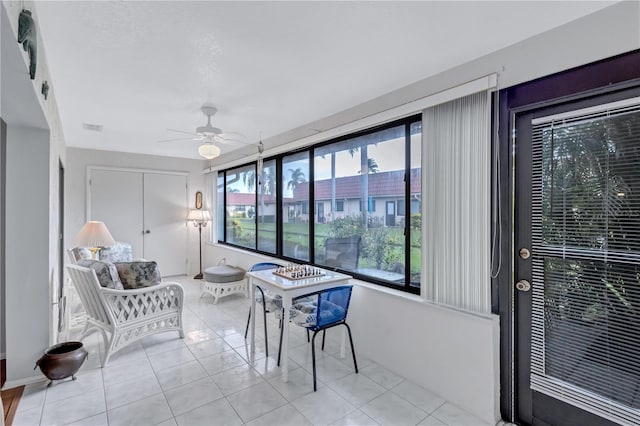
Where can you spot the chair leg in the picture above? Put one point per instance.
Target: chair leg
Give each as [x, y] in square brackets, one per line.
[353, 351]
[313, 359]
[246, 330]
[280, 344]
[266, 338]
[324, 334]
[108, 351]
[308, 339]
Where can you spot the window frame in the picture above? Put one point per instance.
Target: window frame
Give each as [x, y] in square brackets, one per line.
[407, 123]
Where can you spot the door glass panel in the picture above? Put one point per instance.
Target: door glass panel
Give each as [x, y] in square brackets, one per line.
[585, 346]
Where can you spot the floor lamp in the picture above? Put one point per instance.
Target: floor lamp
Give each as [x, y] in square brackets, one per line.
[200, 219]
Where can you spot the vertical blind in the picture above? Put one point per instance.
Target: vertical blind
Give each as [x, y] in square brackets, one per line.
[585, 347]
[456, 159]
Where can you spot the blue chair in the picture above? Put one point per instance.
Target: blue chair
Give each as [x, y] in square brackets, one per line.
[269, 303]
[319, 311]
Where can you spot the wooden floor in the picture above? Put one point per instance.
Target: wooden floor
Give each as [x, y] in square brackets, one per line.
[10, 398]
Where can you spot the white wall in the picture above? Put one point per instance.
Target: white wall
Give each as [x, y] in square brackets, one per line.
[35, 147]
[27, 233]
[452, 353]
[76, 180]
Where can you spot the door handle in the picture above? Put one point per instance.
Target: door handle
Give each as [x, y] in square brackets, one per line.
[147, 232]
[523, 285]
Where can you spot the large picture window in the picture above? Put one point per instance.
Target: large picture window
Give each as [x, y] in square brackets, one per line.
[341, 204]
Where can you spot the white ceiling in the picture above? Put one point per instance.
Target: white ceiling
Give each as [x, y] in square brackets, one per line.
[140, 68]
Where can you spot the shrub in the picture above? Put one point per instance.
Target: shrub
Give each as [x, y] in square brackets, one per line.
[347, 226]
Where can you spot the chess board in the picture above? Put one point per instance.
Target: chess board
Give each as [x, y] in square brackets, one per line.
[298, 272]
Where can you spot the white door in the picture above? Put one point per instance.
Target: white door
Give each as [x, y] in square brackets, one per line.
[147, 210]
[116, 200]
[165, 226]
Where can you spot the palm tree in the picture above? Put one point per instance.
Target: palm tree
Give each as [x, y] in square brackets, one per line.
[364, 178]
[249, 179]
[297, 177]
[372, 166]
[267, 186]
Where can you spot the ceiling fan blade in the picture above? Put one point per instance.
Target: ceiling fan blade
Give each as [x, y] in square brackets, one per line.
[182, 131]
[175, 140]
[230, 141]
[233, 133]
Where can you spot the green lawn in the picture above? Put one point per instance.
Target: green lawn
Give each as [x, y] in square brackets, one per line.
[295, 235]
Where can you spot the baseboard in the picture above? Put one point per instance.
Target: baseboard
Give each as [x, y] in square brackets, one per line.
[26, 381]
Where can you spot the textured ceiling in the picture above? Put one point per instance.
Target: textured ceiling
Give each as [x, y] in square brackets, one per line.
[140, 68]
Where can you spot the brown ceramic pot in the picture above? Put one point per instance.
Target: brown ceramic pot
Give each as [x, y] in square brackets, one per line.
[62, 360]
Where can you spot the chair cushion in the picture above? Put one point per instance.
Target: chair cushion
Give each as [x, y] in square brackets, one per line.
[272, 302]
[138, 274]
[302, 300]
[80, 253]
[119, 252]
[105, 271]
[223, 274]
[304, 313]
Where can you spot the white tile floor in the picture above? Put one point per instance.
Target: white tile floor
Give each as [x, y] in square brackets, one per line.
[205, 379]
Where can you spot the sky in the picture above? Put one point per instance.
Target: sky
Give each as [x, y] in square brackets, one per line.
[389, 155]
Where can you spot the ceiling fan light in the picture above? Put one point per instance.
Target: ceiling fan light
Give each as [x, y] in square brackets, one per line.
[208, 151]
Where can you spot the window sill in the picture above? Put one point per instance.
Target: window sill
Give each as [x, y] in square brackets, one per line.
[419, 299]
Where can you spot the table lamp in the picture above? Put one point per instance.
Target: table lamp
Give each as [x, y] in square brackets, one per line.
[200, 219]
[94, 235]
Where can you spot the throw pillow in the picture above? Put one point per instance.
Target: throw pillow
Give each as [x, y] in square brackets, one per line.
[119, 252]
[138, 274]
[105, 271]
[80, 253]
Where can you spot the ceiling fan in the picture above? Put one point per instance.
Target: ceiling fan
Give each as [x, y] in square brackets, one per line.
[209, 135]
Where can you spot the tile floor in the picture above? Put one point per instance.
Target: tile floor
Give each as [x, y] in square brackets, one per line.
[205, 379]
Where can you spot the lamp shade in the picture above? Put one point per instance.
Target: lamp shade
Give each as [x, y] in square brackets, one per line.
[94, 234]
[199, 215]
[208, 151]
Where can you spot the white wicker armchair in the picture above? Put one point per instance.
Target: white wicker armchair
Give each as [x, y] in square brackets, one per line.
[125, 316]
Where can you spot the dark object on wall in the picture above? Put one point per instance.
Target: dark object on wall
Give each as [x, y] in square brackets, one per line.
[27, 36]
[45, 89]
[62, 360]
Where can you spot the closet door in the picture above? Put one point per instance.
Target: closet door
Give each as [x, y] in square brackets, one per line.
[165, 230]
[116, 199]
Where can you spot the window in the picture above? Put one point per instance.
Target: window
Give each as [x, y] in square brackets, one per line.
[400, 207]
[240, 195]
[295, 206]
[220, 203]
[267, 212]
[339, 204]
